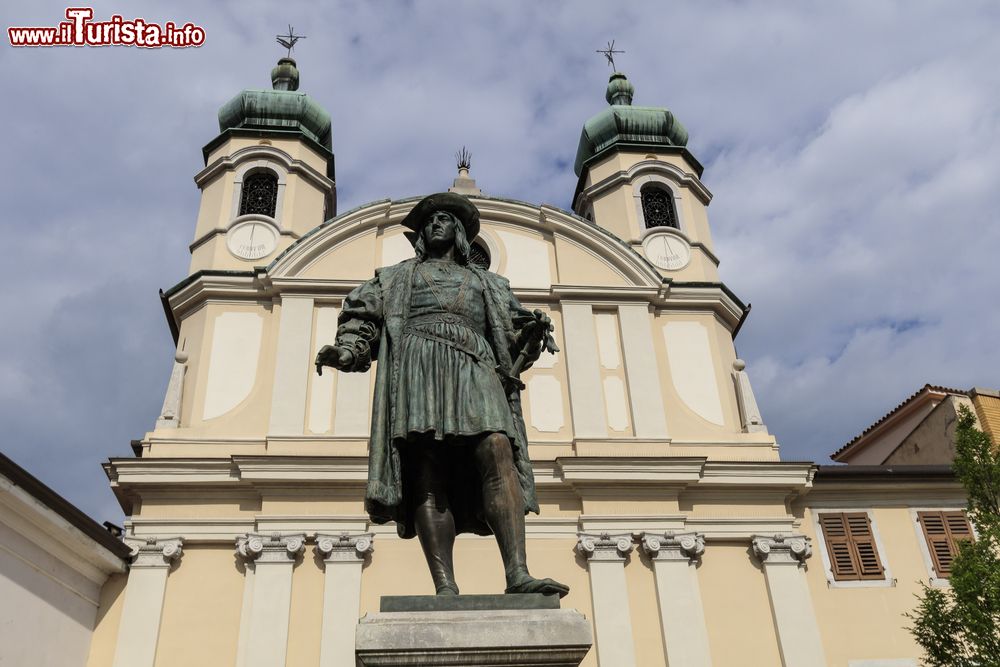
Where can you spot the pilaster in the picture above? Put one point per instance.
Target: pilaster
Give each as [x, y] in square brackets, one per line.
[343, 557]
[674, 557]
[142, 609]
[292, 367]
[644, 388]
[269, 559]
[585, 393]
[783, 558]
[606, 556]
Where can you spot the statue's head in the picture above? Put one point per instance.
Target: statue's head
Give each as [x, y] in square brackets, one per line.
[443, 219]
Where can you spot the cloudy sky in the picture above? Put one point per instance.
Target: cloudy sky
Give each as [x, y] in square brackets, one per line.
[853, 150]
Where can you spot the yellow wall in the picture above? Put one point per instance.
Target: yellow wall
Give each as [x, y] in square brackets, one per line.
[305, 622]
[869, 622]
[109, 615]
[988, 411]
[737, 608]
[201, 610]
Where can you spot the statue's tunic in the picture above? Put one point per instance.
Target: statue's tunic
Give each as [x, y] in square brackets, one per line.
[451, 387]
[442, 335]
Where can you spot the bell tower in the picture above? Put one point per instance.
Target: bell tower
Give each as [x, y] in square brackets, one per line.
[638, 180]
[268, 176]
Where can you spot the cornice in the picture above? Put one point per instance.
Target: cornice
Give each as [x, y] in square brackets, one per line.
[797, 475]
[253, 287]
[685, 179]
[294, 166]
[680, 471]
[188, 295]
[576, 470]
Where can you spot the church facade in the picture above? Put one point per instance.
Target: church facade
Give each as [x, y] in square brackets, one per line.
[665, 506]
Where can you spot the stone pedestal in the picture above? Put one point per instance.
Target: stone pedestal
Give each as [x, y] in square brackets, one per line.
[482, 630]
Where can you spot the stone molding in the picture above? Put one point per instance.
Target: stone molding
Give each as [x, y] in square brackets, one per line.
[345, 547]
[749, 412]
[157, 553]
[170, 413]
[673, 546]
[604, 547]
[270, 548]
[793, 549]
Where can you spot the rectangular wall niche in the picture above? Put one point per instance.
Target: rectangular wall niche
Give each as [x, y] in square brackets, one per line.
[232, 366]
[692, 369]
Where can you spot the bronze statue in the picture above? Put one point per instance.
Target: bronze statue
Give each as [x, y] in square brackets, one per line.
[448, 450]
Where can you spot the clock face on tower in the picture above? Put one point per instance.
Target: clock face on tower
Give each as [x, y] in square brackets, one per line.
[667, 251]
[252, 240]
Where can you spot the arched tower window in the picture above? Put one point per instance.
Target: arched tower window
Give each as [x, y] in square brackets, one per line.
[260, 193]
[479, 256]
[658, 207]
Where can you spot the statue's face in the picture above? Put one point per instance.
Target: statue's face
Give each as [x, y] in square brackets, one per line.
[440, 229]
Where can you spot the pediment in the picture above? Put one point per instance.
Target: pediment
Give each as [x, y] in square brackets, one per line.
[535, 247]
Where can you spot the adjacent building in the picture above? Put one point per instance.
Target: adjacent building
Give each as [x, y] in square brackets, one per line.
[54, 564]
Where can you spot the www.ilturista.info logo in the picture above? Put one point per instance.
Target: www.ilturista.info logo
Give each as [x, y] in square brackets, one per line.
[79, 30]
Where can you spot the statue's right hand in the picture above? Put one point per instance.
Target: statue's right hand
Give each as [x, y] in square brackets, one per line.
[335, 357]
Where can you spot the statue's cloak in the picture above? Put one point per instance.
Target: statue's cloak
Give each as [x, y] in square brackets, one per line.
[378, 311]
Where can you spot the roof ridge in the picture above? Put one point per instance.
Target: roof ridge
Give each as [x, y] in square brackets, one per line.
[874, 425]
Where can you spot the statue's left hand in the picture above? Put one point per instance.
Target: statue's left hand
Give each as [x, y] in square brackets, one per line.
[545, 328]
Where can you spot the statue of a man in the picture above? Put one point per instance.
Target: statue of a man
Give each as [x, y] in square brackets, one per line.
[448, 450]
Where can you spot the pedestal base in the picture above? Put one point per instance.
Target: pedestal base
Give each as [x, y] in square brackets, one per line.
[471, 633]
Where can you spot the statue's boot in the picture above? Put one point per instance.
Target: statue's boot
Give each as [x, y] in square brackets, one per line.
[543, 586]
[503, 504]
[435, 523]
[436, 532]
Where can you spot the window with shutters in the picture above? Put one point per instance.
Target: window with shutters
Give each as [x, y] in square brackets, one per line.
[942, 532]
[851, 546]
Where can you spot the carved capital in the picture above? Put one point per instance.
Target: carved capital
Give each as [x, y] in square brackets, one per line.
[673, 546]
[270, 548]
[157, 552]
[604, 547]
[345, 547]
[782, 548]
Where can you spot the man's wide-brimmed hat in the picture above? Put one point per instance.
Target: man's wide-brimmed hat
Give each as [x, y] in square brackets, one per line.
[457, 205]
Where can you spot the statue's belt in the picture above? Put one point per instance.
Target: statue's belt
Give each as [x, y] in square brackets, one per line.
[442, 318]
[453, 318]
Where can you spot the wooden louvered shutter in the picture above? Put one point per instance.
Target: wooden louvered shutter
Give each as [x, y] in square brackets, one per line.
[851, 545]
[838, 545]
[943, 531]
[863, 543]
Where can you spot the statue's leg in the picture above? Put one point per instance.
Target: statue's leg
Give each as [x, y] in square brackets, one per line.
[503, 505]
[433, 518]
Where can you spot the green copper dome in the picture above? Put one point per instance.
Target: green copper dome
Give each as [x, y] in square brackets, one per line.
[623, 123]
[280, 109]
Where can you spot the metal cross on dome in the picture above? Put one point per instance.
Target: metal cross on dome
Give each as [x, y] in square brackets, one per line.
[288, 41]
[609, 53]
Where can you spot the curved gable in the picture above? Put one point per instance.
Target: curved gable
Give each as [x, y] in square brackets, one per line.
[535, 247]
